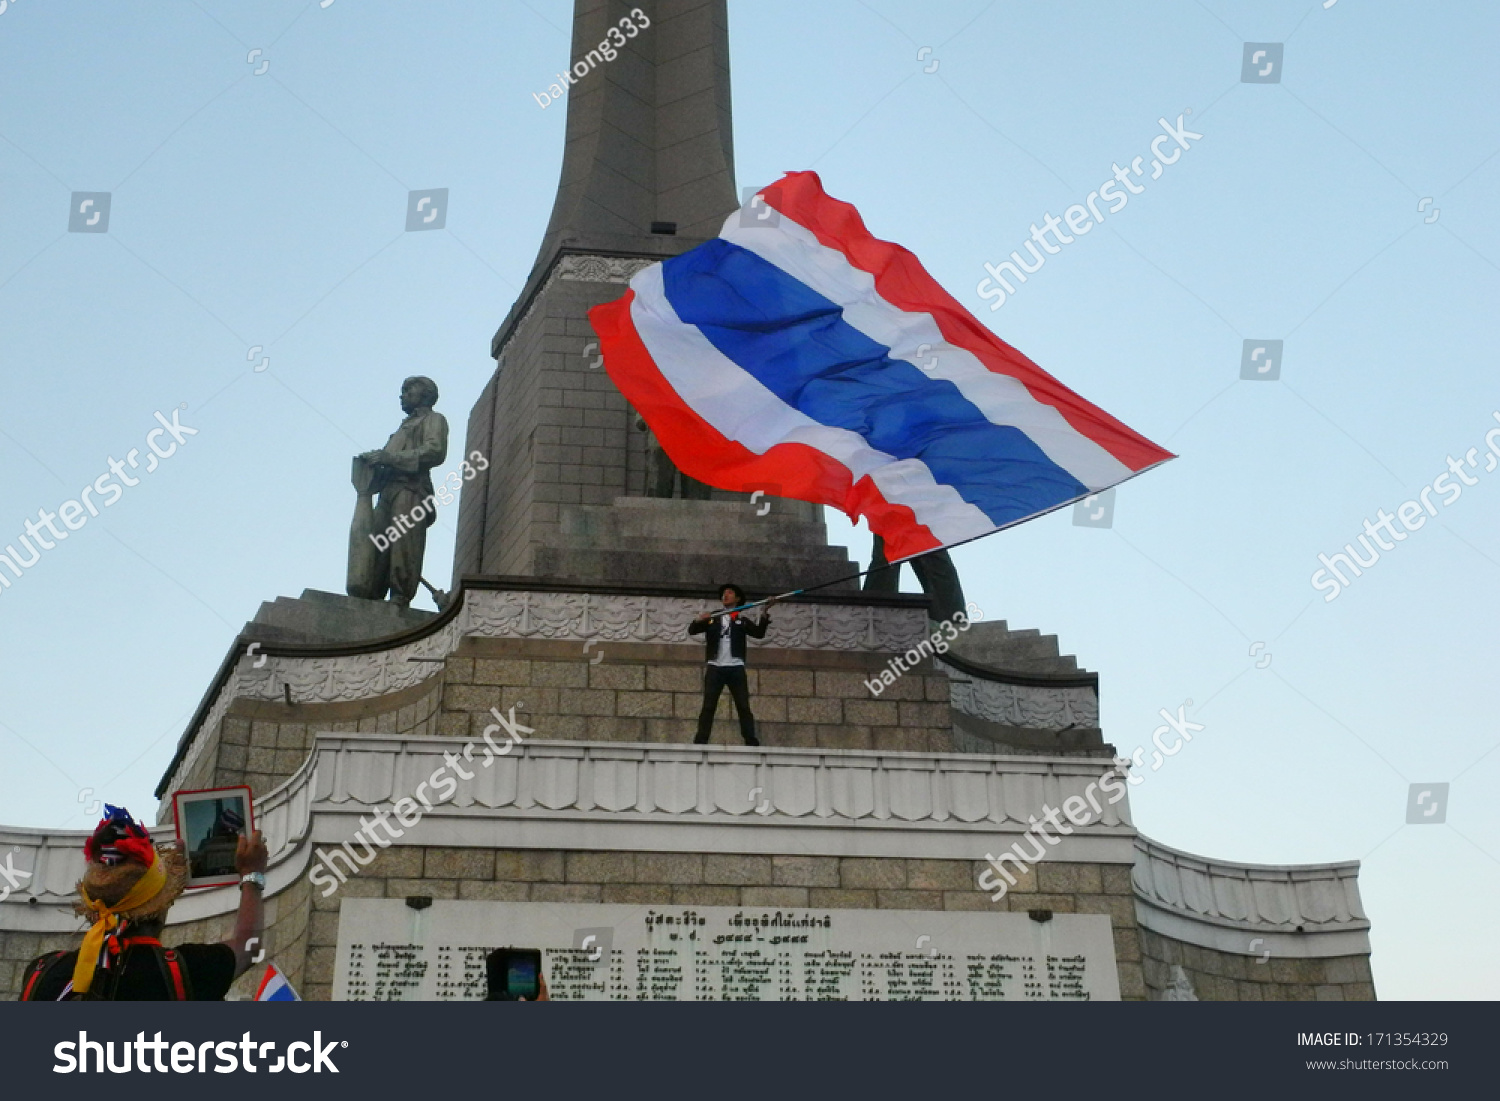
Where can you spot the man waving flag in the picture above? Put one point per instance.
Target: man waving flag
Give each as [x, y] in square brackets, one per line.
[797, 351]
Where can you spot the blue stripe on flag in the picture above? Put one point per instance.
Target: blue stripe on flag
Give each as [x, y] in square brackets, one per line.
[797, 344]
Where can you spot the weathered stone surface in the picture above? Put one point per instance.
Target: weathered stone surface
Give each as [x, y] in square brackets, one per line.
[565, 892]
[1072, 879]
[585, 701]
[942, 875]
[319, 965]
[323, 928]
[638, 894]
[872, 872]
[849, 686]
[1347, 969]
[529, 865]
[873, 712]
[646, 704]
[841, 898]
[627, 677]
[1116, 879]
[909, 900]
[773, 896]
[412, 888]
[805, 871]
[600, 867]
[459, 864]
[1127, 944]
[814, 709]
[501, 671]
[673, 868]
[737, 870]
[560, 674]
[675, 678]
[398, 861]
[470, 697]
[494, 891]
[970, 900]
[786, 682]
[705, 895]
[1025, 881]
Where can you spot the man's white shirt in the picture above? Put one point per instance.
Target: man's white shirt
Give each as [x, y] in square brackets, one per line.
[725, 656]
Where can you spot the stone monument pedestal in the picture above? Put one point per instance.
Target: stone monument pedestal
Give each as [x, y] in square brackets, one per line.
[317, 616]
[768, 546]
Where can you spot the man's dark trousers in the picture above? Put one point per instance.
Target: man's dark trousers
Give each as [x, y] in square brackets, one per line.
[715, 679]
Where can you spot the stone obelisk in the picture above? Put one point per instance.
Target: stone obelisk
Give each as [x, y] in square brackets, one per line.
[647, 173]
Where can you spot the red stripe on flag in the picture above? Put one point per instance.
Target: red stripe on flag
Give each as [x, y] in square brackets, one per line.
[902, 281]
[701, 451]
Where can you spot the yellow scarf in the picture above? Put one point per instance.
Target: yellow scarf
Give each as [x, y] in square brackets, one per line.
[106, 920]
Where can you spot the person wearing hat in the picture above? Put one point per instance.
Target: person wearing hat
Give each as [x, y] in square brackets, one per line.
[724, 648]
[127, 888]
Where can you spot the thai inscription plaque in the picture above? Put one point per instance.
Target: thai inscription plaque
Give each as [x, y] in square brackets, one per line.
[390, 952]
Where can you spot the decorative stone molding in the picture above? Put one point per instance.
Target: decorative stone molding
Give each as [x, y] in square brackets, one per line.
[579, 268]
[1023, 705]
[611, 797]
[529, 614]
[576, 617]
[1298, 910]
[582, 268]
[663, 619]
[615, 783]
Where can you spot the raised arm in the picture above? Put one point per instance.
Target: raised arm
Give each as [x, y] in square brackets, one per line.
[250, 923]
[758, 629]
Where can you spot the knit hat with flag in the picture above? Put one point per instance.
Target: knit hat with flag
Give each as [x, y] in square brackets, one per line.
[127, 879]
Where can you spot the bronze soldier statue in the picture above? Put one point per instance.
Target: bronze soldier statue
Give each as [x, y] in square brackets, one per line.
[389, 538]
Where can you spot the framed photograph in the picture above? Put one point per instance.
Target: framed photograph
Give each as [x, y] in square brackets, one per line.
[209, 826]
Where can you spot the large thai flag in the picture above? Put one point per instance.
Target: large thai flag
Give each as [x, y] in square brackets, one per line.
[797, 354]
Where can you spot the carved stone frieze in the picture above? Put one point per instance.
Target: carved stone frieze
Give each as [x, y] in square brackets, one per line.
[576, 268]
[544, 615]
[1024, 705]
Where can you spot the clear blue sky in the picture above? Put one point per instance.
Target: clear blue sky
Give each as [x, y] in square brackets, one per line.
[269, 208]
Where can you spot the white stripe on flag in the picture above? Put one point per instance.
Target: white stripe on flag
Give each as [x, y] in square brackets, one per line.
[731, 399]
[1003, 400]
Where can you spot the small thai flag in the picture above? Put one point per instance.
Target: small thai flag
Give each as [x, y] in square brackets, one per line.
[798, 354]
[275, 987]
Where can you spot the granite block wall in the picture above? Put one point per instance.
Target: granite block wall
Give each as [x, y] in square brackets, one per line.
[263, 742]
[1230, 977]
[653, 693]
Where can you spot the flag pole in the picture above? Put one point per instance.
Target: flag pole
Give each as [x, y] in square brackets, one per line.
[851, 577]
